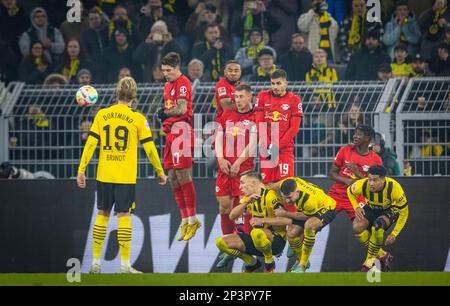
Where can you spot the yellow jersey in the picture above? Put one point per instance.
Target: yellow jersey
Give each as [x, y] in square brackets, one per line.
[265, 207]
[119, 129]
[312, 198]
[391, 197]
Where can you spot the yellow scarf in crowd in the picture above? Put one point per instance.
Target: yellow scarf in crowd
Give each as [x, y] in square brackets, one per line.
[253, 51]
[354, 37]
[38, 60]
[325, 25]
[71, 71]
[112, 27]
[262, 73]
[215, 63]
[39, 120]
[434, 27]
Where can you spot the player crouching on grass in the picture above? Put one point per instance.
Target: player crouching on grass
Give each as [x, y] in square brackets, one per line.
[118, 129]
[314, 210]
[267, 238]
[386, 204]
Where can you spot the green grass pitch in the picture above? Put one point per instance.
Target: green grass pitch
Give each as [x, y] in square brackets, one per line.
[232, 279]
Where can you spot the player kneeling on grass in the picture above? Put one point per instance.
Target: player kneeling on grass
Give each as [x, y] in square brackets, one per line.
[386, 204]
[267, 238]
[118, 129]
[315, 210]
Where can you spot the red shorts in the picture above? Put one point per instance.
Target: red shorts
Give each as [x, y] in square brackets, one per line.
[281, 170]
[227, 186]
[343, 204]
[179, 151]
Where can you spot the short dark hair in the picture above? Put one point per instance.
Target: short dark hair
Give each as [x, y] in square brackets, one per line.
[95, 10]
[366, 129]
[279, 73]
[171, 59]
[231, 62]
[253, 174]
[378, 170]
[401, 47]
[212, 25]
[401, 3]
[288, 186]
[244, 87]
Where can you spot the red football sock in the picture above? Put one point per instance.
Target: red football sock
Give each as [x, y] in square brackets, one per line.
[179, 198]
[247, 227]
[189, 198]
[226, 224]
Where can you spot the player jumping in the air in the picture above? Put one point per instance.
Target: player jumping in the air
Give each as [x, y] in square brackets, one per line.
[386, 204]
[176, 118]
[118, 129]
[267, 237]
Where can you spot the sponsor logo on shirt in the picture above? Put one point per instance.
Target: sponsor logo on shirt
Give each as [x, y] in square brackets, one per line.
[183, 91]
[276, 116]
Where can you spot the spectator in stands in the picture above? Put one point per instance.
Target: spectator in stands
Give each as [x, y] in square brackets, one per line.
[337, 9]
[95, 39]
[266, 66]
[364, 64]
[348, 122]
[70, 29]
[213, 52]
[320, 71]
[50, 37]
[157, 44]
[55, 80]
[400, 66]
[298, 60]
[13, 22]
[8, 63]
[256, 15]
[157, 75]
[385, 72]
[204, 15]
[246, 56]
[124, 72]
[195, 70]
[73, 61]
[402, 28]
[433, 23]
[388, 156]
[35, 66]
[120, 20]
[418, 67]
[84, 77]
[285, 14]
[152, 12]
[429, 146]
[439, 61]
[353, 30]
[119, 55]
[321, 27]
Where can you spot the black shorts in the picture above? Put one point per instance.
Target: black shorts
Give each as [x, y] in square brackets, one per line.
[374, 212]
[324, 215]
[121, 196]
[278, 244]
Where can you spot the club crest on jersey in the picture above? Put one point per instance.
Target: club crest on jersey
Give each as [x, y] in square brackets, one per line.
[366, 168]
[246, 122]
[222, 91]
[285, 107]
[183, 90]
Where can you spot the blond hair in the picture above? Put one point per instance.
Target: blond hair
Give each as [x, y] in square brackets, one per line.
[126, 89]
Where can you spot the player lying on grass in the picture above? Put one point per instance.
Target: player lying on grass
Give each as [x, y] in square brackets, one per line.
[267, 238]
[314, 210]
[386, 204]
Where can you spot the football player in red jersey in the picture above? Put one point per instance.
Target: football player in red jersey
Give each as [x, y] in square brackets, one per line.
[278, 110]
[225, 87]
[176, 118]
[352, 162]
[236, 141]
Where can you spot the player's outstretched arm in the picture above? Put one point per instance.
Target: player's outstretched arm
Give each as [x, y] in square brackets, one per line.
[88, 151]
[178, 110]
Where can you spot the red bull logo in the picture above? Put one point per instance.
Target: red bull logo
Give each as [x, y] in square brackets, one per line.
[276, 116]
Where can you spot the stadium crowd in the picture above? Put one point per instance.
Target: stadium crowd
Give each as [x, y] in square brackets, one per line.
[316, 40]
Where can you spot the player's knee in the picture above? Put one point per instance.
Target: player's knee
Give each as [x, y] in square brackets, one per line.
[224, 208]
[380, 223]
[313, 225]
[293, 232]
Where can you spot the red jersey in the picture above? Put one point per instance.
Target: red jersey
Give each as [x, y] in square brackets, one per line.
[348, 154]
[223, 90]
[281, 110]
[179, 89]
[236, 137]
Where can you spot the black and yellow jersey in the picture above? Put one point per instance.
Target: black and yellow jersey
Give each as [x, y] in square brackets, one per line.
[391, 197]
[265, 207]
[312, 198]
[119, 129]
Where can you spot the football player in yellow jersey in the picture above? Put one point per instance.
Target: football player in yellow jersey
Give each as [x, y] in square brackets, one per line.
[386, 204]
[267, 238]
[315, 210]
[117, 129]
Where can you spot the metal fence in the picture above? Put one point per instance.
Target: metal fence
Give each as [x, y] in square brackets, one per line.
[46, 129]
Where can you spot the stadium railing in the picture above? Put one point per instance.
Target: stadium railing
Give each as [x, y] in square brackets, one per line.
[44, 129]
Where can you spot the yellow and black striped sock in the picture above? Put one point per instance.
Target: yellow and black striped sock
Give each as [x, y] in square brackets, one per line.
[308, 244]
[222, 246]
[124, 238]
[375, 243]
[363, 237]
[99, 234]
[296, 245]
[262, 244]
